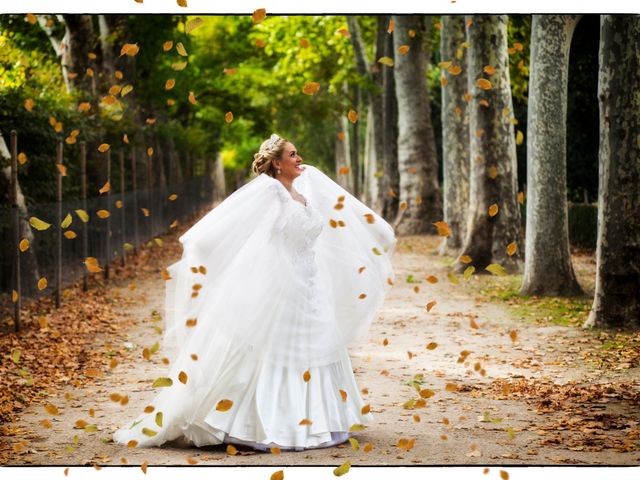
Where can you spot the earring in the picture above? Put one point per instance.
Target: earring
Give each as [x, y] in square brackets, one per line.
[278, 171]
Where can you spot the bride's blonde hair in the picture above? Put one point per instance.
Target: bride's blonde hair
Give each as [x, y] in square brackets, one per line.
[270, 150]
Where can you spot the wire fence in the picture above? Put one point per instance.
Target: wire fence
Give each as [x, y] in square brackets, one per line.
[135, 219]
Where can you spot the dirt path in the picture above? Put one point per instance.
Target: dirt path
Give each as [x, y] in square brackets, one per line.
[474, 421]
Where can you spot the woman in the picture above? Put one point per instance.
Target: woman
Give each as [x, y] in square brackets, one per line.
[273, 285]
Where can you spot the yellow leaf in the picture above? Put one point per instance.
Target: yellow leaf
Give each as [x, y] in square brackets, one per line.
[484, 84]
[520, 198]
[14, 296]
[519, 137]
[144, 466]
[182, 376]
[38, 224]
[354, 444]
[118, 203]
[132, 444]
[454, 70]
[231, 450]
[356, 427]
[103, 147]
[42, 283]
[453, 278]
[432, 346]
[162, 382]
[82, 215]
[258, 15]
[311, 88]
[468, 272]
[51, 409]
[493, 210]
[129, 49]
[496, 269]
[228, 117]
[376, 251]
[181, 50]
[148, 432]
[512, 248]
[342, 469]
[22, 158]
[125, 90]
[159, 419]
[368, 447]
[388, 61]
[169, 84]
[224, 405]
[445, 64]
[24, 245]
[103, 213]
[166, 46]
[277, 475]
[150, 151]
[504, 475]
[192, 24]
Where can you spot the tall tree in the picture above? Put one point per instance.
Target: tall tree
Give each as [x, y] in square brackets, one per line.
[420, 199]
[494, 218]
[547, 269]
[617, 295]
[455, 133]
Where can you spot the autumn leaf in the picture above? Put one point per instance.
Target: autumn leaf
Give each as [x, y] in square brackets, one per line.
[468, 272]
[82, 215]
[192, 24]
[162, 382]
[181, 50]
[28, 104]
[443, 228]
[224, 405]
[432, 279]
[22, 158]
[454, 70]
[105, 188]
[496, 269]
[493, 210]
[277, 475]
[489, 70]
[169, 84]
[258, 15]
[129, 49]
[403, 49]
[103, 147]
[228, 117]
[512, 248]
[484, 84]
[306, 376]
[431, 346]
[148, 432]
[38, 224]
[182, 376]
[388, 61]
[24, 245]
[311, 88]
[430, 305]
[352, 116]
[103, 213]
[305, 421]
[51, 409]
[342, 469]
[42, 283]
[520, 198]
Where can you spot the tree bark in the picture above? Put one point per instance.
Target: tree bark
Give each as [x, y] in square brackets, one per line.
[217, 178]
[493, 166]
[548, 269]
[420, 196]
[455, 135]
[617, 295]
[343, 154]
[79, 42]
[390, 175]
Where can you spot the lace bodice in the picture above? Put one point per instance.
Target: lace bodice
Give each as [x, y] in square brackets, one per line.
[298, 229]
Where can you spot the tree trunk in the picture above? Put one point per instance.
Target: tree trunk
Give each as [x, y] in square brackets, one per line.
[79, 42]
[354, 144]
[343, 154]
[493, 152]
[370, 184]
[455, 135]
[547, 269]
[420, 201]
[617, 296]
[217, 178]
[390, 177]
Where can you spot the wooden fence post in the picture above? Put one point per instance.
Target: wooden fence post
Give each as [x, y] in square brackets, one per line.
[59, 162]
[123, 209]
[85, 227]
[16, 229]
[108, 260]
[134, 188]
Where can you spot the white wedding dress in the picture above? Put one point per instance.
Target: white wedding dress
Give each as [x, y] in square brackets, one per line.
[266, 290]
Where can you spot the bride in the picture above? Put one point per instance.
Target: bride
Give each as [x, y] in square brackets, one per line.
[273, 286]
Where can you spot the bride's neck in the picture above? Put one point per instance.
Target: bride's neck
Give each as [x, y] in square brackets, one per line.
[288, 184]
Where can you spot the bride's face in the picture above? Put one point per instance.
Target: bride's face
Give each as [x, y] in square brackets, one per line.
[290, 163]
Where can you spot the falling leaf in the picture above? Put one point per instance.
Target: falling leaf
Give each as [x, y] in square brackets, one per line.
[430, 305]
[144, 466]
[148, 432]
[512, 248]
[22, 158]
[231, 450]
[260, 43]
[484, 84]
[365, 409]
[443, 228]
[181, 50]
[493, 172]
[489, 70]
[468, 272]
[343, 394]
[275, 450]
[496, 269]
[224, 405]
[388, 61]
[305, 421]
[84, 106]
[42, 283]
[129, 49]
[28, 104]
[385, 342]
[354, 444]
[258, 15]
[169, 84]
[504, 475]
[182, 376]
[453, 278]
[192, 24]
[306, 376]
[82, 215]
[105, 188]
[352, 116]
[519, 137]
[473, 324]
[454, 70]
[103, 147]
[311, 88]
[132, 443]
[277, 475]
[24, 245]
[493, 210]
[162, 382]
[520, 198]
[158, 419]
[51, 409]
[445, 64]
[513, 334]
[362, 296]
[46, 423]
[432, 346]
[125, 90]
[38, 224]
[403, 49]
[149, 409]
[342, 469]
[103, 213]
[192, 98]
[376, 251]
[344, 32]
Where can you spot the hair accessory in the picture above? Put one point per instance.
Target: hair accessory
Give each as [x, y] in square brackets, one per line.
[272, 141]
